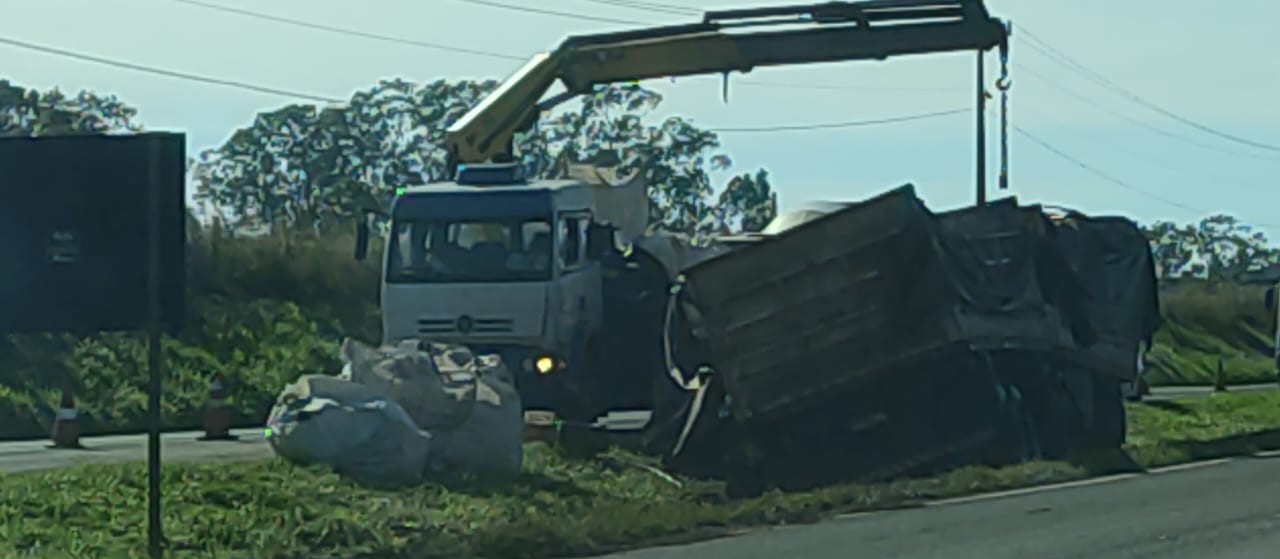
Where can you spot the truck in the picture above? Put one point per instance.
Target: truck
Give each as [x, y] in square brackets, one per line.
[560, 277]
[900, 341]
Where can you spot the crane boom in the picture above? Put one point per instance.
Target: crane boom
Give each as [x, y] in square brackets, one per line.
[725, 41]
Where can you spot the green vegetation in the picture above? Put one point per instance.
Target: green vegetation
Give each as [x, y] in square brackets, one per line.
[267, 309]
[559, 507]
[1205, 323]
[1163, 433]
[263, 311]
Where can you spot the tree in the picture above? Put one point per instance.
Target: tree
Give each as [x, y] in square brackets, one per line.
[1218, 248]
[27, 112]
[294, 164]
[747, 203]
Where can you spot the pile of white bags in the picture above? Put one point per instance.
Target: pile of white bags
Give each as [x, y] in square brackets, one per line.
[398, 414]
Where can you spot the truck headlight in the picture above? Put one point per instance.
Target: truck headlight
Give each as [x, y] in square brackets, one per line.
[544, 365]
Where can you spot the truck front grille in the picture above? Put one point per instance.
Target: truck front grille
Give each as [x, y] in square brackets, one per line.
[479, 325]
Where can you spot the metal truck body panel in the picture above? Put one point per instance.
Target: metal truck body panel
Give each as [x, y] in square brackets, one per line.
[858, 292]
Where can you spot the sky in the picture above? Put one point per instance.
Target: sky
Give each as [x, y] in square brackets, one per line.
[1217, 67]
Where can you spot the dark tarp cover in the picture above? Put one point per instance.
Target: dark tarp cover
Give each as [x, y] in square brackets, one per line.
[1112, 259]
[865, 291]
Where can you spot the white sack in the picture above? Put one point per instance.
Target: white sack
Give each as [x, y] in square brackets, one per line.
[468, 403]
[351, 428]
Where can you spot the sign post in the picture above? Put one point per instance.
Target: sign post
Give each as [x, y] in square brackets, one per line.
[155, 330]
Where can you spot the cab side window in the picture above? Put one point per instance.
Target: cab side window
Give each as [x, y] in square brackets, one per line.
[569, 241]
[573, 240]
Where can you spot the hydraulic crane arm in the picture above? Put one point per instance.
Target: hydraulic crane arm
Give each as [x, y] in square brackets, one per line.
[725, 41]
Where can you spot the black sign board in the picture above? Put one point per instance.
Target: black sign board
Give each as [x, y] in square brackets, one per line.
[74, 231]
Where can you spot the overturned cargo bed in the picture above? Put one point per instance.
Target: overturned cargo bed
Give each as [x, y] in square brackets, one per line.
[859, 295]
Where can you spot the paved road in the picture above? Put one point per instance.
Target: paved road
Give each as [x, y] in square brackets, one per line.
[1226, 510]
[37, 455]
[1180, 392]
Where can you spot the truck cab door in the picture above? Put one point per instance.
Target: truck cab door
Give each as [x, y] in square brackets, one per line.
[580, 303]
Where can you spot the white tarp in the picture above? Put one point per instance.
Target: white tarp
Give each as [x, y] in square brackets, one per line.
[399, 414]
[350, 427]
[467, 402]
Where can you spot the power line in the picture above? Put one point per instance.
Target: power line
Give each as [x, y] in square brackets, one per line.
[649, 7]
[762, 83]
[1142, 123]
[1112, 179]
[1168, 164]
[846, 124]
[1048, 50]
[166, 73]
[286, 93]
[545, 12]
[351, 32]
[514, 56]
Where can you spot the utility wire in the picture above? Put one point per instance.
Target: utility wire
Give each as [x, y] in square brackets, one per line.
[286, 93]
[846, 124]
[762, 83]
[649, 7]
[515, 56]
[1139, 122]
[1104, 176]
[166, 73]
[762, 129]
[351, 32]
[1164, 163]
[1112, 179]
[1058, 56]
[545, 12]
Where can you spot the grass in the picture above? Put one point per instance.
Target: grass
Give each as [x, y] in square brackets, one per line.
[559, 507]
[265, 310]
[1170, 432]
[1206, 324]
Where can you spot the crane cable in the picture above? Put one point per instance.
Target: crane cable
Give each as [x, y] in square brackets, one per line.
[1003, 84]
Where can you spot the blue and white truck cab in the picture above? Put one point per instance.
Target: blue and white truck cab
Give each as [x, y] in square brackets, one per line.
[513, 267]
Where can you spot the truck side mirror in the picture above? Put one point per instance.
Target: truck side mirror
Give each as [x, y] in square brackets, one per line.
[362, 238]
[599, 240]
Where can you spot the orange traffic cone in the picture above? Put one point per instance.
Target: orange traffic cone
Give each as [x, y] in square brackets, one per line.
[66, 425]
[217, 416]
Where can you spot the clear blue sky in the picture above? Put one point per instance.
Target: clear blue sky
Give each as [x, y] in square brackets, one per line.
[1210, 63]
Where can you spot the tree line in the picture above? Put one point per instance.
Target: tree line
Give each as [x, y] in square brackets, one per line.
[308, 166]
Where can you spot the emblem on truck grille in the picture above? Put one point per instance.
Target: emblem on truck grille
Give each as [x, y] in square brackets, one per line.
[464, 324]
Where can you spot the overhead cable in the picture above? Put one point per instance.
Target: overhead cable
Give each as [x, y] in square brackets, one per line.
[352, 32]
[1052, 53]
[166, 73]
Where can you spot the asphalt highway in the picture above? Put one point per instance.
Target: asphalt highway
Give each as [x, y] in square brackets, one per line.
[1227, 509]
[24, 456]
[1182, 392]
[37, 455]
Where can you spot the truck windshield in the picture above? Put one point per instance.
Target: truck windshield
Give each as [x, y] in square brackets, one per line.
[470, 250]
